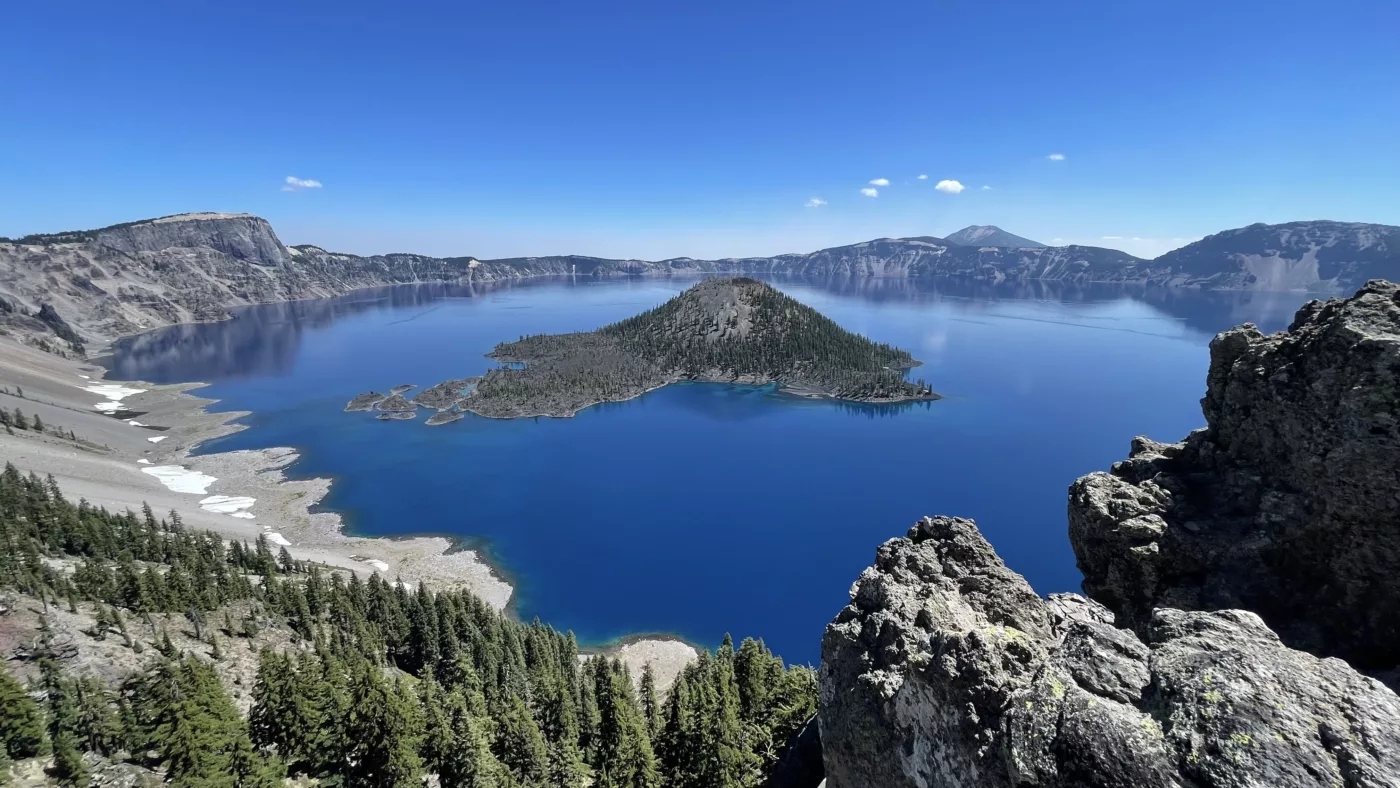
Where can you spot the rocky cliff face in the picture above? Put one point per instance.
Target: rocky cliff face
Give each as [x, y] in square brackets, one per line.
[1278, 519]
[1321, 256]
[129, 278]
[1287, 503]
[236, 235]
[132, 277]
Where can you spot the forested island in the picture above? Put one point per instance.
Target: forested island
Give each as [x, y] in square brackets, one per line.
[718, 331]
[141, 651]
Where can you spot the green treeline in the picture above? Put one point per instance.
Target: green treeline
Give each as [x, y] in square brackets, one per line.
[380, 685]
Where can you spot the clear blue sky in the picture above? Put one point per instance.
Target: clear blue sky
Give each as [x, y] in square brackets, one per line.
[658, 129]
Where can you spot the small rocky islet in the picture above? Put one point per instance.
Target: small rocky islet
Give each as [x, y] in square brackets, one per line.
[718, 331]
[365, 402]
[444, 398]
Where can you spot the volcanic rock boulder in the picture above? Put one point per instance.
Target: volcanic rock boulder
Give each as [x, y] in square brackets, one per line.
[1287, 503]
[948, 670]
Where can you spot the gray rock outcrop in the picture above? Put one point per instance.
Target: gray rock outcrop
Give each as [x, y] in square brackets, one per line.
[1243, 582]
[237, 235]
[365, 401]
[948, 670]
[1286, 504]
[395, 403]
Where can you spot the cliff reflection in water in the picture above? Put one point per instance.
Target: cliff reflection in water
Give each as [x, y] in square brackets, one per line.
[264, 339]
[1205, 311]
[261, 339]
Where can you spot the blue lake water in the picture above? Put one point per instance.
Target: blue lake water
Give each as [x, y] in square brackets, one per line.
[705, 509]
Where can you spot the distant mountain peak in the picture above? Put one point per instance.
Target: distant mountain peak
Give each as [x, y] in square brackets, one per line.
[990, 235]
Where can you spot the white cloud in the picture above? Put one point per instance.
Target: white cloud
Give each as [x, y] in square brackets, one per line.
[949, 187]
[1111, 238]
[295, 184]
[880, 182]
[816, 202]
[869, 192]
[923, 177]
[1056, 157]
[986, 188]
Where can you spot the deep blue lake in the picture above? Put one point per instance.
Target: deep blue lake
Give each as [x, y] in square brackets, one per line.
[704, 509]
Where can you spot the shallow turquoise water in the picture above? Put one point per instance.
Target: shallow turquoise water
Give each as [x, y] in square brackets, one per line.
[705, 509]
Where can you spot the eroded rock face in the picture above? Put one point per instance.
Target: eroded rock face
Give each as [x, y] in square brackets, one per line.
[1286, 504]
[947, 670]
[238, 235]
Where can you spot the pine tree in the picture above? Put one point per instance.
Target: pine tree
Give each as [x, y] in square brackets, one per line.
[623, 757]
[381, 734]
[21, 722]
[519, 744]
[437, 727]
[180, 710]
[650, 707]
[97, 724]
[68, 766]
[273, 720]
[253, 770]
[469, 762]
[566, 766]
[38, 423]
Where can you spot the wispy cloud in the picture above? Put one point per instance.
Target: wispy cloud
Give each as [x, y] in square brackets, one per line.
[1056, 157]
[880, 182]
[816, 202]
[869, 192]
[295, 184]
[986, 188]
[923, 177]
[949, 187]
[1111, 238]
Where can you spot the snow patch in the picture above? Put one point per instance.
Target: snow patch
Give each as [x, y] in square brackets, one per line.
[158, 438]
[135, 423]
[177, 478]
[377, 564]
[277, 538]
[114, 393]
[143, 461]
[243, 515]
[226, 504]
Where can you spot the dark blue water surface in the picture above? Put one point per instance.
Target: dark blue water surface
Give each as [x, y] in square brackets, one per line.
[705, 509]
